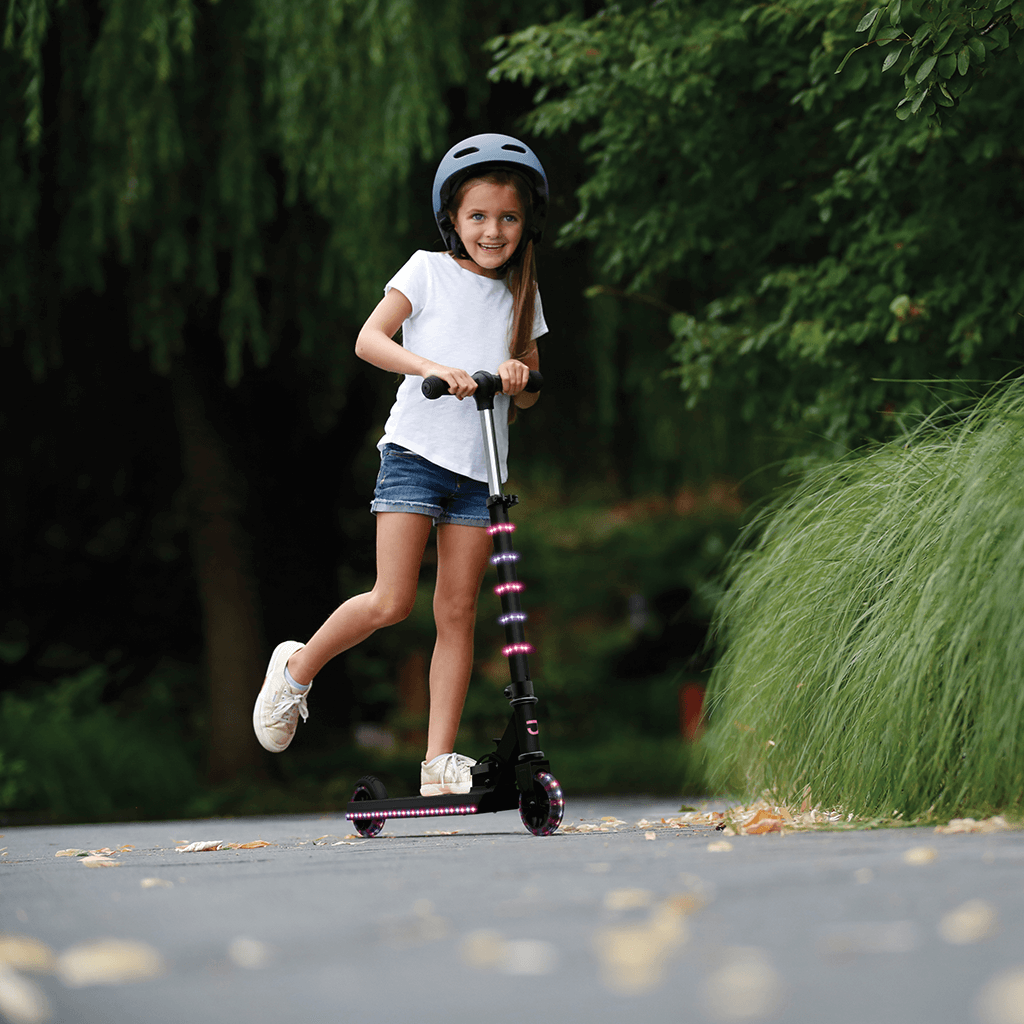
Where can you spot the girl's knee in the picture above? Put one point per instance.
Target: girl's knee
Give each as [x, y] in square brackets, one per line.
[455, 616]
[390, 609]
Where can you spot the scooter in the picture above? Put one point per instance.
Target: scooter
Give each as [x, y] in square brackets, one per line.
[517, 773]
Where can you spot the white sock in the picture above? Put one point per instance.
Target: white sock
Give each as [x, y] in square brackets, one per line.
[291, 682]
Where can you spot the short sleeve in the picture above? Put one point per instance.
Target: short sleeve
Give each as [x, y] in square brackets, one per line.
[411, 280]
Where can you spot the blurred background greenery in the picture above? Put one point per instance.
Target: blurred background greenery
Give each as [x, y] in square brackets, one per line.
[752, 266]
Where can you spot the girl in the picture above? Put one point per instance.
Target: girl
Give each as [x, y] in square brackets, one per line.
[474, 307]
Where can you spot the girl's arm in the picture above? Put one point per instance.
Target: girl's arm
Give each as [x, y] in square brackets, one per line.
[514, 374]
[376, 345]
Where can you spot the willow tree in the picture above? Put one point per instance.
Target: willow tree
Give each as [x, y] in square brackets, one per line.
[225, 172]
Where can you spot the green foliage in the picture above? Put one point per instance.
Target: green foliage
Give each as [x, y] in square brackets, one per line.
[184, 135]
[821, 256]
[945, 43]
[619, 599]
[872, 631]
[66, 754]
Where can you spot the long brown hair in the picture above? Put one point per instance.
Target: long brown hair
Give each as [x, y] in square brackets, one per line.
[520, 272]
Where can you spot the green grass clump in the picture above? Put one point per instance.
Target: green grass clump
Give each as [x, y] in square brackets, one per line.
[873, 633]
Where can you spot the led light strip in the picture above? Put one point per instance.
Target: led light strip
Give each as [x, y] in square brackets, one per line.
[504, 620]
[501, 528]
[412, 812]
[517, 649]
[505, 556]
[509, 588]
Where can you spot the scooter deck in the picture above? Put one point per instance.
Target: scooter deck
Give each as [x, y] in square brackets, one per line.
[482, 800]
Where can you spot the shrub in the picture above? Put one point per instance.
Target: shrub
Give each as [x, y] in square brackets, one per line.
[872, 631]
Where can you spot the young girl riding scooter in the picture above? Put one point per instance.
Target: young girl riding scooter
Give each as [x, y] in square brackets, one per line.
[473, 307]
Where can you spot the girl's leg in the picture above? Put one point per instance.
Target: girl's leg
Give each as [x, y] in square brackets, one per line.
[462, 558]
[401, 538]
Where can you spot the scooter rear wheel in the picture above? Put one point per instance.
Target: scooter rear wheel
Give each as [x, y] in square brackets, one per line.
[542, 809]
[369, 787]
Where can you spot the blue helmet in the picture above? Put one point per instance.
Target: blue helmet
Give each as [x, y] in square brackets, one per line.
[479, 154]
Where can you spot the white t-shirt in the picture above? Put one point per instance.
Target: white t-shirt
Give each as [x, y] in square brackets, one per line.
[458, 319]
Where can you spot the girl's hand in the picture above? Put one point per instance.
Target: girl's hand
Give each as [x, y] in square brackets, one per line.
[514, 375]
[460, 384]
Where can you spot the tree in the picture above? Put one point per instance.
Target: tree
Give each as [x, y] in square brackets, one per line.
[231, 178]
[822, 257]
[946, 43]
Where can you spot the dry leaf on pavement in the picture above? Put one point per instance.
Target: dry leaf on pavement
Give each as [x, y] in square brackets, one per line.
[202, 846]
[995, 824]
[918, 855]
[22, 1001]
[23, 953]
[109, 962]
[96, 860]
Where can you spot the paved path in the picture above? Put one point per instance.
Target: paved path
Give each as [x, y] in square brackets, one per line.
[493, 924]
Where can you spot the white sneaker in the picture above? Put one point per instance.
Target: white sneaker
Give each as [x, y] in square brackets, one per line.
[447, 773]
[278, 706]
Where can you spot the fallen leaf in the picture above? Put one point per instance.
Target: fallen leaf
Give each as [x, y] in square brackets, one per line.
[650, 835]
[109, 962]
[22, 1001]
[957, 825]
[918, 855]
[970, 922]
[202, 846]
[440, 832]
[633, 957]
[1001, 998]
[96, 860]
[72, 853]
[23, 953]
[256, 844]
[745, 987]
[156, 883]
[722, 846]
[762, 821]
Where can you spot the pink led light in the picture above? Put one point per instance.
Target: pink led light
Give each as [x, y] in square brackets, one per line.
[517, 649]
[413, 812]
[501, 528]
[510, 588]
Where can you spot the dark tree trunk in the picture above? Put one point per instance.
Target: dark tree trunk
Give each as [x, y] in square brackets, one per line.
[233, 655]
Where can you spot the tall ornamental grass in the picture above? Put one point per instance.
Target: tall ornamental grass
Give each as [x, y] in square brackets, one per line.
[874, 633]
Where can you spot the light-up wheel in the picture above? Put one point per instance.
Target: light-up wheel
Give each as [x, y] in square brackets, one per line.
[369, 787]
[541, 809]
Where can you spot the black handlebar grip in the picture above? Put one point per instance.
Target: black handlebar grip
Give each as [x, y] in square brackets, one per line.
[435, 387]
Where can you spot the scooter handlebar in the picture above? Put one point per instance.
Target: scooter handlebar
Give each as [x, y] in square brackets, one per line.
[435, 387]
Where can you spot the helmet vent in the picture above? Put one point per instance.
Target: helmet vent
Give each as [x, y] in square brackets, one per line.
[471, 149]
[515, 149]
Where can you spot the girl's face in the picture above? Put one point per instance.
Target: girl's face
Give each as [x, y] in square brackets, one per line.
[490, 223]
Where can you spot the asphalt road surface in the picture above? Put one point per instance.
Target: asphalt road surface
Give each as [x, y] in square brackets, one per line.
[493, 924]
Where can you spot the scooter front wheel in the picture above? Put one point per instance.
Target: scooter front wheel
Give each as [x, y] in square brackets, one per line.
[542, 808]
[369, 787]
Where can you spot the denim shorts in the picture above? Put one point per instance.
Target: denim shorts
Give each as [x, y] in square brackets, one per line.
[407, 482]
